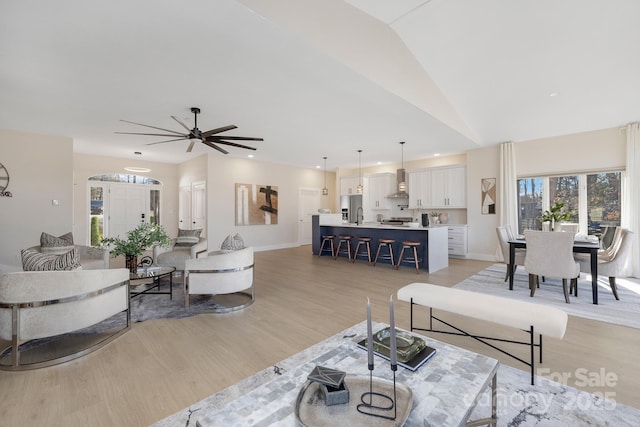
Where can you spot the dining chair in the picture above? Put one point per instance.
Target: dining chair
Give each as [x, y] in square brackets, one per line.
[503, 238]
[617, 265]
[550, 254]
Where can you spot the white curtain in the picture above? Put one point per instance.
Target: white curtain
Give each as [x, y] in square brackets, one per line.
[631, 194]
[508, 205]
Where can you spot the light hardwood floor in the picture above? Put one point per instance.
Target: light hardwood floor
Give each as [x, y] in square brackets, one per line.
[162, 366]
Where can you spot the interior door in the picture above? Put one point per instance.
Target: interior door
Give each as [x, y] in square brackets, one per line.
[184, 208]
[127, 207]
[308, 205]
[199, 206]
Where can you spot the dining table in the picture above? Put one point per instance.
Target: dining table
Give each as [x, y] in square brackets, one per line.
[579, 246]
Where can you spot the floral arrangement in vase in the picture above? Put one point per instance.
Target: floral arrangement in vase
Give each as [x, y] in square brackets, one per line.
[555, 215]
[138, 240]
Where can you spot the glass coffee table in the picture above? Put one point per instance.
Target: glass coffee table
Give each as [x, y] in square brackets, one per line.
[148, 281]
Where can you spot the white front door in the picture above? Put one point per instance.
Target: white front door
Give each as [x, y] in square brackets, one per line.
[308, 205]
[127, 208]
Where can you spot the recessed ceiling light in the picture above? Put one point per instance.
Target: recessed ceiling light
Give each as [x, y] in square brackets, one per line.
[250, 156]
[317, 167]
[136, 169]
[436, 154]
[552, 94]
[379, 163]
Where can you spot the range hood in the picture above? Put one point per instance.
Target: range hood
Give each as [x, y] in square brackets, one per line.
[400, 194]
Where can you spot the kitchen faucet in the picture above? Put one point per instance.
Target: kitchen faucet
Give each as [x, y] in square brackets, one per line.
[359, 215]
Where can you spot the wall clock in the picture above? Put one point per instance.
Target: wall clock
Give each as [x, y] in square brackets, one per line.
[4, 181]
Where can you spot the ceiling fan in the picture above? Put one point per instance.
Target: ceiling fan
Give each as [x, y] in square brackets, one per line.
[210, 137]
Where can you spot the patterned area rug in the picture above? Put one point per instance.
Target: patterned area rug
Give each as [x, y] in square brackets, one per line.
[624, 312]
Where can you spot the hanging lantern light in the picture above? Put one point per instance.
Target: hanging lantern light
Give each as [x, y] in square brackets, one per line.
[359, 188]
[325, 190]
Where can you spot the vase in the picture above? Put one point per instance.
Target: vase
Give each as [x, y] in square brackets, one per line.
[557, 226]
[131, 262]
[443, 217]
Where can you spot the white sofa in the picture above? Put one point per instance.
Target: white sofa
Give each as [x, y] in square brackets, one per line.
[222, 273]
[42, 304]
[91, 258]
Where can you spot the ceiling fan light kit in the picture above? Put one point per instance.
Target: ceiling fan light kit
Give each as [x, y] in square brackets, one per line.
[209, 138]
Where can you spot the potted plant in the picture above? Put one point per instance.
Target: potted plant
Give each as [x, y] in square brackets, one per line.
[555, 215]
[138, 240]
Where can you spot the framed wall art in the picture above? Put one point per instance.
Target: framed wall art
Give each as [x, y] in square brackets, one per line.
[488, 200]
[256, 204]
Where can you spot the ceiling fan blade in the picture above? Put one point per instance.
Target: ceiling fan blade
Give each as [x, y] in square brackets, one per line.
[152, 127]
[215, 147]
[233, 144]
[152, 134]
[218, 130]
[181, 123]
[234, 138]
[169, 140]
[193, 141]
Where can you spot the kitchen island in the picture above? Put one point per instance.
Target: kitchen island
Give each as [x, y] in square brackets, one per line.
[433, 251]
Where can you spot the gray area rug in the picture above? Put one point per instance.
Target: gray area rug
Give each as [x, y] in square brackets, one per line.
[624, 312]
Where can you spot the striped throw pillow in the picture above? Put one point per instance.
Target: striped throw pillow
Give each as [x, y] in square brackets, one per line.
[37, 261]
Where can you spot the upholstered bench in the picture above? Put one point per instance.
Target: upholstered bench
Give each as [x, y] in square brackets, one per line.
[530, 317]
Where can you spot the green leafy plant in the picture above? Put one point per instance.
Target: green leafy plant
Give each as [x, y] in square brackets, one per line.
[138, 239]
[555, 214]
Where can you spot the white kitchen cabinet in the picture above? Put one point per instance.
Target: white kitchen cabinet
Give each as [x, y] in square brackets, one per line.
[380, 186]
[448, 187]
[420, 189]
[457, 240]
[348, 185]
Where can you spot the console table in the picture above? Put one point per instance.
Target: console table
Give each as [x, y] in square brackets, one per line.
[445, 389]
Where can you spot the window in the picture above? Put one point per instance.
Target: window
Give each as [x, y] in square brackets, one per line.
[592, 200]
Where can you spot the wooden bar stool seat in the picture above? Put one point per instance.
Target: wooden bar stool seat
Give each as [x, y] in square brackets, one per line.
[366, 241]
[410, 246]
[347, 249]
[327, 238]
[385, 243]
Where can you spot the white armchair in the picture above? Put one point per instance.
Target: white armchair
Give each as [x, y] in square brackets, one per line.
[227, 275]
[176, 256]
[550, 254]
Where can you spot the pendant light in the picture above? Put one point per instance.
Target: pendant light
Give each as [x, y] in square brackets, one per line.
[325, 190]
[402, 184]
[359, 188]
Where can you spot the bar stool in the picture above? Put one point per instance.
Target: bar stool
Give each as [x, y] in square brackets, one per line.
[327, 238]
[366, 241]
[410, 245]
[347, 241]
[385, 243]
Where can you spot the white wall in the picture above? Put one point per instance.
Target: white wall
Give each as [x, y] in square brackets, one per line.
[224, 173]
[40, 170]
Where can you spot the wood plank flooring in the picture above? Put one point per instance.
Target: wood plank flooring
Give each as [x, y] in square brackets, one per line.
[162, 366]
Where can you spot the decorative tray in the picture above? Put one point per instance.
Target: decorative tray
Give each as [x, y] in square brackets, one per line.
[311, 410]
[407, 345]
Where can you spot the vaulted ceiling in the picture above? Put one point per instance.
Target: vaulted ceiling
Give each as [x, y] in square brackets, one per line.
[318, 78]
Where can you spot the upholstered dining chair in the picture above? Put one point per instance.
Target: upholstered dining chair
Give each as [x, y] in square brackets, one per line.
[503, 238]
[617, 265]
[550, 254]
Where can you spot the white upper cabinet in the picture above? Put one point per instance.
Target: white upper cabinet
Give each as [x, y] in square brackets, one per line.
[438, 188]
[380, 186]
[448, 187]
[420, 189]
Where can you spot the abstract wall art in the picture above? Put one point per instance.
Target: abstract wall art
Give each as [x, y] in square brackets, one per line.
[256, 204]
[488, 191]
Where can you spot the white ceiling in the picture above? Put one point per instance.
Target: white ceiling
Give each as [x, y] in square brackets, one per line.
[318, 78]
